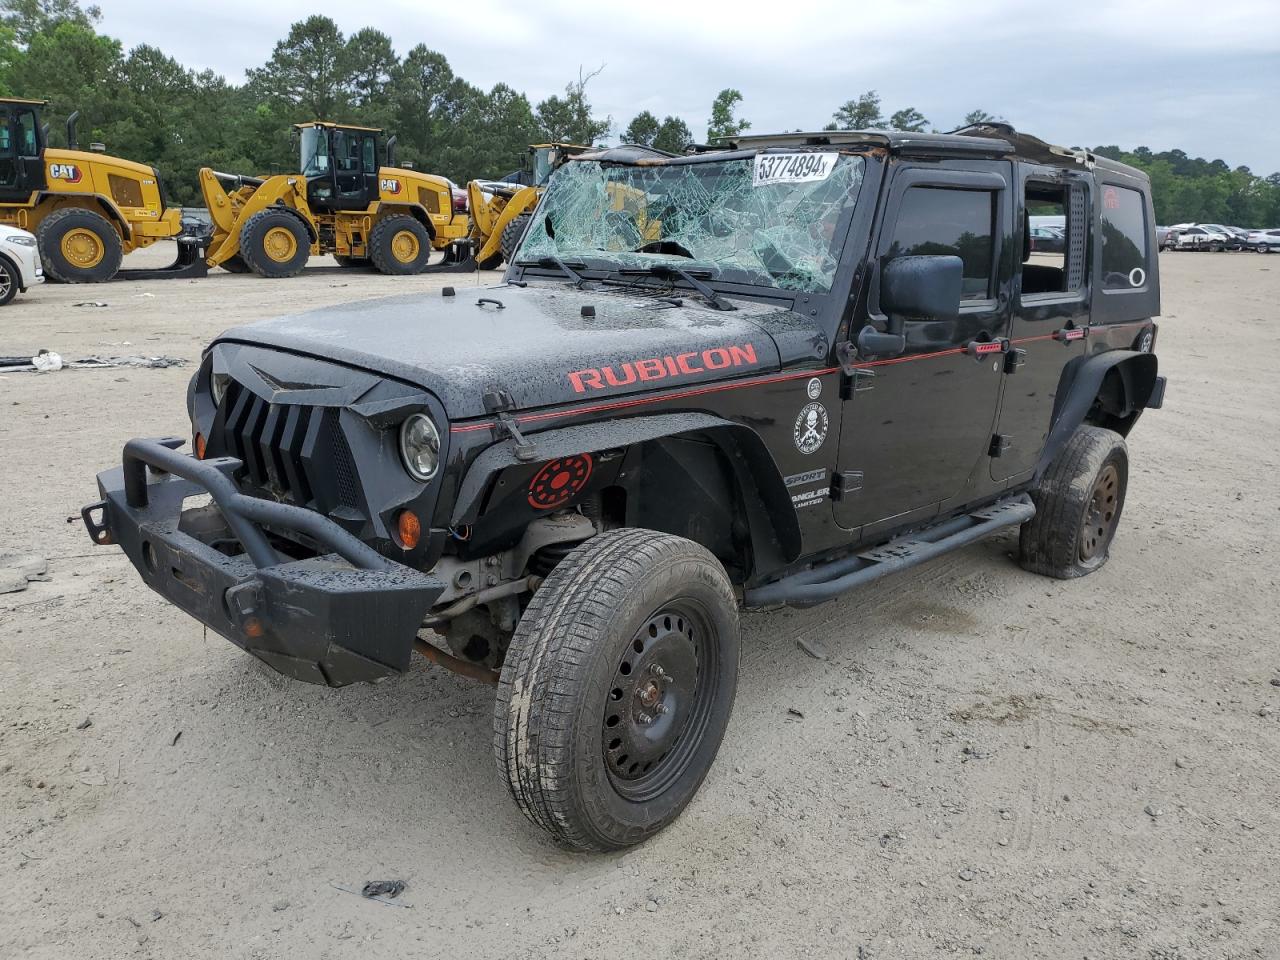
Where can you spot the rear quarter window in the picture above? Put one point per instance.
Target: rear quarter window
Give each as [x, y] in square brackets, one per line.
[1124, 238]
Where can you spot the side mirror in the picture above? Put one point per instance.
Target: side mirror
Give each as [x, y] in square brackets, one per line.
[921, 288]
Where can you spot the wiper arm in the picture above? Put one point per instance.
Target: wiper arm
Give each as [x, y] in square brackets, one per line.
[551, 260]
[670, 270]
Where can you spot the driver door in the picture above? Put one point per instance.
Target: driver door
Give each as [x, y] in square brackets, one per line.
[21, 169]
[917, 427]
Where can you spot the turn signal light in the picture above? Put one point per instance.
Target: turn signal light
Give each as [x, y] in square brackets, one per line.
[200, 446]
[410, 529]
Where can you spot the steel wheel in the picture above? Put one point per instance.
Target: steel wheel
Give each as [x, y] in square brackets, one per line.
[1101, 514]
[280, 245]
[405, 246]
[659, 703]
[82, 248]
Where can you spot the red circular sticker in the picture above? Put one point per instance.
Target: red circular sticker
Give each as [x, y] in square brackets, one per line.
[559, 481]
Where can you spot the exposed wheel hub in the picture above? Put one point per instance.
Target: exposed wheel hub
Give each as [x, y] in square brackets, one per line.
[1101, 514]
[654, 694]
[279, 244]
[82, 248]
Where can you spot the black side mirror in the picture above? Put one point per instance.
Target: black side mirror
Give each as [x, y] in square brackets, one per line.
[921, 288]
[913, 288]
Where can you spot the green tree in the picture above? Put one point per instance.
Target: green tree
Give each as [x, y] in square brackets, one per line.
[862, 113]
[74, 69]
[643, 129]
[369, 62]
[569, 118]
[909, 119]
[975, 117]
[673, 135]
[30, 18]
[306, 71]
[723, 124]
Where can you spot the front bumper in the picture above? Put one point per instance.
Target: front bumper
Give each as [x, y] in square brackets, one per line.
[347, 615]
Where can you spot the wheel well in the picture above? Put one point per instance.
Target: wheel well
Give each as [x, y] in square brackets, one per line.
[296, 214]
[1123, 394]
[93, 204]
[410, 210]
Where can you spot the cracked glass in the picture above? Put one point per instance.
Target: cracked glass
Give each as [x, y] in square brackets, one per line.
[774, 219]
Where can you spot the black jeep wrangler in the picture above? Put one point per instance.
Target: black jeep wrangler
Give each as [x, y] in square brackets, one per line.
[757, 375]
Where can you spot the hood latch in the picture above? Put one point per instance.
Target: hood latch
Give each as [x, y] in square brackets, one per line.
[498, 403]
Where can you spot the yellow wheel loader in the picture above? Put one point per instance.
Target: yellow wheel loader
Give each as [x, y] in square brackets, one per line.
[501, 209]
[343, 203]
[86, 209]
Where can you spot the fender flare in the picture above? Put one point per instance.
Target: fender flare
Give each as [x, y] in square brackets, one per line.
[107, 205]
[771, 517]
[415, 210]
[1139, 385]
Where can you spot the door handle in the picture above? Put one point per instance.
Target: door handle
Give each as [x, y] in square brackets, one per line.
[986, 348]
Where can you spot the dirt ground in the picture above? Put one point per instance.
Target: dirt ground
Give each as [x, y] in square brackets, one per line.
[985, 763]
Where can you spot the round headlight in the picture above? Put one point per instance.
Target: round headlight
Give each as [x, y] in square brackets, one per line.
[420, 446]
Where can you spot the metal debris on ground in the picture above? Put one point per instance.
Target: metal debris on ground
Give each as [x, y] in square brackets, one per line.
[91, 303]
[394, 889]
[46, 362]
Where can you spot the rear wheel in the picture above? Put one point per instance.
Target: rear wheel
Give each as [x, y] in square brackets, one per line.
[275, 244]
[511, 235]
[1078, 506]
[9, 281]
[1263, 248]
[79, 246]
[399, 245]
[617, 688]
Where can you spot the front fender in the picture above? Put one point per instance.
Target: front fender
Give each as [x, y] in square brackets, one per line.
[775, 530]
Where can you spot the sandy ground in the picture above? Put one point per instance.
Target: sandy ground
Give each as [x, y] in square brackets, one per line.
[988, 763]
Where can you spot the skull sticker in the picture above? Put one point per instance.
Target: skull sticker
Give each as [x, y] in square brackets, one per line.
[811, 427]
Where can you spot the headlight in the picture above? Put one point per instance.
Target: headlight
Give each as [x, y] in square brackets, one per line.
[218, 387]
[420, 446]
[23, 241]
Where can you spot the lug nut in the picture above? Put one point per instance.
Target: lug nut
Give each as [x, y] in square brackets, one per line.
[657, 671]
[660, 709]
[645, 718]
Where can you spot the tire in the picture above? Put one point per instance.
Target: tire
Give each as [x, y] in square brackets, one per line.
[79, 246]
[1263, 248]
[560, 733]
[1215, 248]
[235, 264]
[274, 243]
[399, 245]
[352, 263]
[10, 280]
[1078, 505]
[512, 234]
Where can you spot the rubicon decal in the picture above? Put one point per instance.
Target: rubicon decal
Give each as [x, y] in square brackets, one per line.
[68, 172]
[559, 481]
[662, 368]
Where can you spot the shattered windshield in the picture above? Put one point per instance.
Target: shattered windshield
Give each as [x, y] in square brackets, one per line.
[775, 219]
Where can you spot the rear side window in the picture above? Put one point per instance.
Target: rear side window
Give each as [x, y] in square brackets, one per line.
[934, 221]
[1124, 239]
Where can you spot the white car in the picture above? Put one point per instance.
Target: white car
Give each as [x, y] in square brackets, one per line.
[19, 263]
[1264, 241]
[1201, 238]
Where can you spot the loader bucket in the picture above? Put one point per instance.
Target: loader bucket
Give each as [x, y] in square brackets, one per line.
[459, 257]
[192, 249]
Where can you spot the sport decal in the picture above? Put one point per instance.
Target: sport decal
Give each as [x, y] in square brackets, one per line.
[559, 481]
[64, 171]
[660, 368]
[810, 430]
[792, 167]
[387, 185]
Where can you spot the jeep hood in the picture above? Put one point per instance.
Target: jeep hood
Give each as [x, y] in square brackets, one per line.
[539, 344]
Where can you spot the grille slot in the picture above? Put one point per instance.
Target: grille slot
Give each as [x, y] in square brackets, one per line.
[298, 453]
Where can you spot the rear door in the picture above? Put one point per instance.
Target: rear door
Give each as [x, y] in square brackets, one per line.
[916, 427]
[1051, 299]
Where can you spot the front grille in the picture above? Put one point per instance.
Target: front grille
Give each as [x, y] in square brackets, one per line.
[297, 453]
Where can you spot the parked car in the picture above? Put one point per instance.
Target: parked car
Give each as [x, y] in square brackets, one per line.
[459, 197]
[1165, 237]
[1201, 238]
[573, 478]
[1048, 240]
[20, 265]
[1233, 237]
[1264, 241]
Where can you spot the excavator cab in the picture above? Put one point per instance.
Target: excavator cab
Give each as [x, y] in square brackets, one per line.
[21, 147]
[340, 164]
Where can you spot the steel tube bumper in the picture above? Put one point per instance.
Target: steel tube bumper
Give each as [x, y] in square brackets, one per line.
[350, 614]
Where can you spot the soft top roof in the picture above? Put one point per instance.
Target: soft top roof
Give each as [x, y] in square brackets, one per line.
[991, 140]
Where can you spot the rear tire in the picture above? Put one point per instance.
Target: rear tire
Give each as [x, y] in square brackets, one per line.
[9, 281]
[617, 688]
[79, 246]
[399, 245]
[512, 233]
[275, 244]
[1078, 505]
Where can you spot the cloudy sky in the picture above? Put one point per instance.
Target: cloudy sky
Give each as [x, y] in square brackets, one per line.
[1203, 75]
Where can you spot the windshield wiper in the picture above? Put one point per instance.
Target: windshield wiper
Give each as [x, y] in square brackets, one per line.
[670, 270]
[551, 260]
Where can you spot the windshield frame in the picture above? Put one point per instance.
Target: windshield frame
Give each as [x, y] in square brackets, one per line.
[323, 148]
[854, 221]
